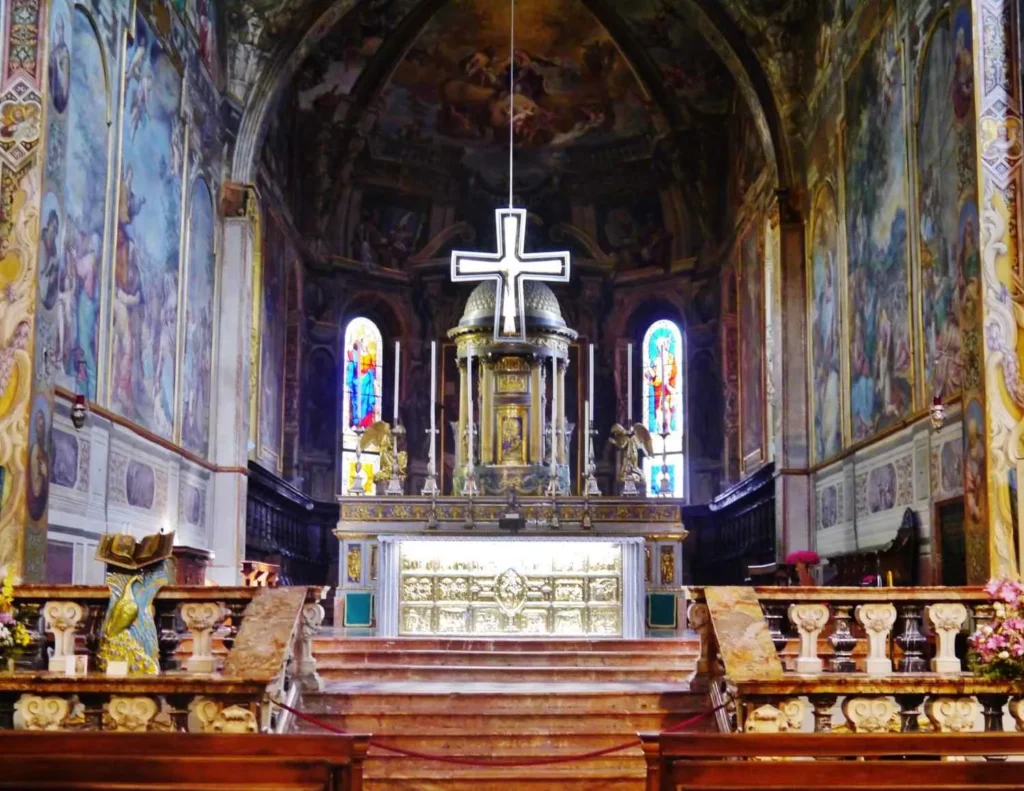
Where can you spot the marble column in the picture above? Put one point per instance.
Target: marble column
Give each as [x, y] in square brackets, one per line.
[993, 397]
[460, 456]
[538, 381]
[563, 453]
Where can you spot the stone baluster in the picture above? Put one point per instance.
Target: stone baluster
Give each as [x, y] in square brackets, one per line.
[62, 618]
[809, 619]
[312, 618]
[910, 640]
[877, 620]
[910, 712]
[870, 715]
[992, 709]
[775, 616]
[1017, 712]
[842, 640]
[953, 715]
[823, 706]
[984, 613]
[947, 619]
[201, 618]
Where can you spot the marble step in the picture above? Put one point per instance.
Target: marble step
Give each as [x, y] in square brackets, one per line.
[382, 766]
[687, 644]
[581, 781]
[329, 656]
[460, 673]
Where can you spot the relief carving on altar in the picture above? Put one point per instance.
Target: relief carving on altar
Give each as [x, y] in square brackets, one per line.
[512, 428]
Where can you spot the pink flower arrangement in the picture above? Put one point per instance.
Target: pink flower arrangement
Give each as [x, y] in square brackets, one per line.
[997, 648]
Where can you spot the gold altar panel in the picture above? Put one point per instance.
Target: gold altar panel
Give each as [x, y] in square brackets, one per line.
[495, 588]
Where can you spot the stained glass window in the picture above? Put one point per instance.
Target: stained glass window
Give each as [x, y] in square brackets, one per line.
[363, 362]
[663, 354]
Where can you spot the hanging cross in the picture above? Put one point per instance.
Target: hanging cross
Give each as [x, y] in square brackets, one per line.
[509, 268]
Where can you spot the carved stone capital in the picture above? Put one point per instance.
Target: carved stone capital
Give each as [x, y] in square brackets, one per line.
[203, 616]
[877, 620]
[212, 716]
[125, 714]
[809, 620]
[62, 618]
[871, 715]
[953, 715]
[49, 713]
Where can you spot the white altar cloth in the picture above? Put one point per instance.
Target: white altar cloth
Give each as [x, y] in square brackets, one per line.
[511, 586]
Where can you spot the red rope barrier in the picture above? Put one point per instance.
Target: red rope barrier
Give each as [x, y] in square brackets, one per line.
[562, 759]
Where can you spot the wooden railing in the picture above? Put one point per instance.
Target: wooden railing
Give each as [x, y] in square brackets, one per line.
[266, 634]
[857, 659]
[286, 528]
[701, 762]
[181, 762]
[732, 532]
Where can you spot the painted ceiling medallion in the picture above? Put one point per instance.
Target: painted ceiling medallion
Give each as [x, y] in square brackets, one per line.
[510, 589]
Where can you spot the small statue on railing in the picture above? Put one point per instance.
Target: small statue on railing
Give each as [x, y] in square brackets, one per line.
[393, 463]
[631, 441]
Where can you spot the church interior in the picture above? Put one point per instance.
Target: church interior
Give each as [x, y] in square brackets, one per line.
[576, 394]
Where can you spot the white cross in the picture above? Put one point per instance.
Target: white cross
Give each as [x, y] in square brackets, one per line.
[508, 268]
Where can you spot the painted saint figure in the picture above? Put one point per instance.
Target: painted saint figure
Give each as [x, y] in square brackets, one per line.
[127, 291]
[60, 68]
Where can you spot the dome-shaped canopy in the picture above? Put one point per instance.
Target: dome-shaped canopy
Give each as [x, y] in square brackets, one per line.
[540, 305]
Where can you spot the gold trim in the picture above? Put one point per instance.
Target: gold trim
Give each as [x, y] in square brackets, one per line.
[184, 236]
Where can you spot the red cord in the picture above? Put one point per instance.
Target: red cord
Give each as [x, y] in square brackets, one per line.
[501, 764]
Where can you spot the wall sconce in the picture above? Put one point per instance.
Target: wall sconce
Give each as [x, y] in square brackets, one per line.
[938, 413]
[79, 410]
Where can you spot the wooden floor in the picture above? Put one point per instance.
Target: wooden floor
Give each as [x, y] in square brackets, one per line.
[500, 700]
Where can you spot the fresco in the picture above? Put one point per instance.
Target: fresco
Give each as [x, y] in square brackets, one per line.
[391, 228]
[825, 326]
[632, 230]
[949, 222]
[64, 455]
[272, 340]
[85, 180]
[38, 457]
[572, 87]
[876, 228]
[320, 404]
[200, 14]
[881, 490]
[145, 306]
[199, 316]
[752, 332]
[140, 485]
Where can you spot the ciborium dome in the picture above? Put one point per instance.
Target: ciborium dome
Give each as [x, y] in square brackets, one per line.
[539, 304]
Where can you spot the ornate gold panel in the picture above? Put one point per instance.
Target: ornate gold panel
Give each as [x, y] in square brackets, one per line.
[512, 428]
[668, 565]
[510, 588]
[354, 563]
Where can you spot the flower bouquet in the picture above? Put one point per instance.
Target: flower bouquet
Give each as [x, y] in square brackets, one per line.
[997, 649]
[14, 636]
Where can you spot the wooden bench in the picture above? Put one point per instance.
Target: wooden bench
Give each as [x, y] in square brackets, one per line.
[81, 761]
[702, 762]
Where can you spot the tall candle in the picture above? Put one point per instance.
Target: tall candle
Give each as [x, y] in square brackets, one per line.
[398, 367]
[554, 413]
[629, 384]
[433, 402]
[586, 438]
[469, 398]
[591, 390]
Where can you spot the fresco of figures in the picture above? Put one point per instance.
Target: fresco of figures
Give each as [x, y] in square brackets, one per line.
[752, 332]
[572, 87]
[199, 315]
[633, 232]
[272, 342]
[946, 198]
[145, 305]
[825, 326]
[391, 228]
[876, 225]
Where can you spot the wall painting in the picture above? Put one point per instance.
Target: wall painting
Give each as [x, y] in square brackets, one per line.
[145, 305]
[196, 384]
[948, 231]
[825, 326]
[272, 341]
[875, 154]
[751, 360]
[391, 228]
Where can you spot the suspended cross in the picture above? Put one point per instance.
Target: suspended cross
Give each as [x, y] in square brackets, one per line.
[509, 268]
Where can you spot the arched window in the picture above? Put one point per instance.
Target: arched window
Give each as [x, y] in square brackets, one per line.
[361, 396]
[663, 408]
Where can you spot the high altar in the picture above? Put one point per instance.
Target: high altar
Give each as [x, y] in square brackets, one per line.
[513, 550]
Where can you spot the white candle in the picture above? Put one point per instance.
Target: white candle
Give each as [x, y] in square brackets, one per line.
[554, 413]
[591, 390]
[469, 397]
[433, 401]
[586, 438]
[629, 384]
[398, 367]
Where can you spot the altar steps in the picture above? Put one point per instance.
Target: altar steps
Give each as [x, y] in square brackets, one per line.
[513, 700]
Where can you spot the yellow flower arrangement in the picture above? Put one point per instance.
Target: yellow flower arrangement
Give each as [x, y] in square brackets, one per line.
[14, 637]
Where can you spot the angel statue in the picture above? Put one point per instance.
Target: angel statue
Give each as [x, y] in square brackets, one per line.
[631, 441]
[380, 437]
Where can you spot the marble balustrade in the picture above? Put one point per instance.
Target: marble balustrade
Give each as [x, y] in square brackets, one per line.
[226, 655]
[865, 660]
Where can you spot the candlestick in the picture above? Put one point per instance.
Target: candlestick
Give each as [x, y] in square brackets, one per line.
[398, 367]
[590, 392]
[554, 414]
[433, 405]
[629, 384]
[586, 437]
[469, 398]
